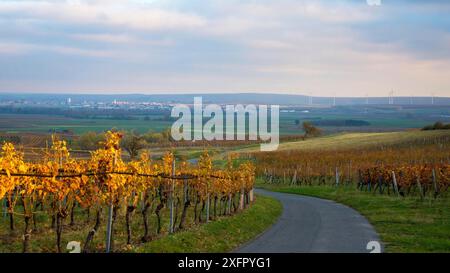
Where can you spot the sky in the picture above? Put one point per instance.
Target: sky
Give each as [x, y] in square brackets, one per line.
[319, 48]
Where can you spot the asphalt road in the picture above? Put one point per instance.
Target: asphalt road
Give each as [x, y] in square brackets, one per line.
[310, 224]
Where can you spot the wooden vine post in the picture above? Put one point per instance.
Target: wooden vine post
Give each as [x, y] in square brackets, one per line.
[394, 181]
[109, 227]
[110, 213]
[337, 177]
[350, 176]
[436, 189]
[172, 189]
[185, 190]
[241, 199]
[207, 203]
[293, 181]
[380, 184]
[419, 186]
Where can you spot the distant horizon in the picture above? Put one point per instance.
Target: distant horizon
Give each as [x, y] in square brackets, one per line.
[275, 93]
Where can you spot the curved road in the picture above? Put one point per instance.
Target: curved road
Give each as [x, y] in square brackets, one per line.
[310, 224]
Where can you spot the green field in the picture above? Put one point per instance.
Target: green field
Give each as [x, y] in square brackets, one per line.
[380, 118]
[11, 123]
[390, 119]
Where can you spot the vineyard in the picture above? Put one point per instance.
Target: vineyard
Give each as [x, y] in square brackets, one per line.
[421, 168]
[58, 187]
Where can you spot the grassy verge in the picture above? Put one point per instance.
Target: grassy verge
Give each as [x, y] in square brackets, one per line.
[222, 235]
[404, 224]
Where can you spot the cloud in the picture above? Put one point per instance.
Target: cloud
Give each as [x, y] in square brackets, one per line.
[334, 46]
[342, 13]
[24, 48]
[105, 38]
[13, 48]
[270, 44]
[106, 13]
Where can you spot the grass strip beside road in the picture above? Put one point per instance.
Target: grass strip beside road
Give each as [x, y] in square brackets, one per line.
[404, 224]
[222, 235]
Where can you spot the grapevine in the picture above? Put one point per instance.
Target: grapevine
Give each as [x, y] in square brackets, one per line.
[59, 184]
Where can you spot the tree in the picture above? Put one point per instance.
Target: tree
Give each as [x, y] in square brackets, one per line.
[152, 137]
[437, 126]
[90, 141]
[167, 135]
[311, 130]
[133, 143]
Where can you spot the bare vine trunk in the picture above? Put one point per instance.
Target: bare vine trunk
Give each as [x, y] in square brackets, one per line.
[215, 206]
[59, 227]
[195, 209]
[26, 234]
[184, 213]
[201, 212]
[128, 218]
[11, 215]
[158, 216]
[72, 214]
[93, 231]
[145, 238]
[88, 215]
[224, 205]
[33, 217]
[162, 200]
[53, 221]
[177, 208]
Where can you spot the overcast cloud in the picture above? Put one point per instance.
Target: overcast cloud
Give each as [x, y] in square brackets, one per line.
[346, 48]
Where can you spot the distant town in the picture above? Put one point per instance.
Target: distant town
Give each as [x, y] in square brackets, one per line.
[158, 101]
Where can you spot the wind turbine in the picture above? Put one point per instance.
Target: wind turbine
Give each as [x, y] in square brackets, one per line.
[391, 97]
